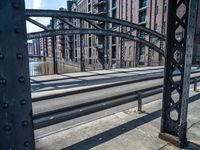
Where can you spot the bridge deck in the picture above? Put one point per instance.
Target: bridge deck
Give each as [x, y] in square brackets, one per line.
[54, 84]
[126, 130]
[50, 86]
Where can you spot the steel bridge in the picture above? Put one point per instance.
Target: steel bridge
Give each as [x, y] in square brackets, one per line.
[17, 131]
[93, 20]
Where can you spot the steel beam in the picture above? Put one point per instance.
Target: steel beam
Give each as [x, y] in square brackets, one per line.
[82, 52]
[16, 124]
[95, 32]
[122, 51]
[53, 46]
[37, 23]
[174, 112]
[78, 15]
[67, 22]
[93, 24]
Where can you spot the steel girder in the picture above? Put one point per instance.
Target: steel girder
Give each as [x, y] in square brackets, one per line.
[82, 51]
[91, 18]
[37, 23]
[122, 54]
[16, 124]
[86, 16]
[95, 32]
[174, 112]
[53, 47]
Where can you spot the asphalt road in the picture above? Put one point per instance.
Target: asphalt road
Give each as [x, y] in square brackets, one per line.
[40, 107]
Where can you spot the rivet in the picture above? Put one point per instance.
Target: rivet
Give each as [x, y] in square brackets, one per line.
[4, 105]
[9, 148]
[7, 128]
[26, 144]
[25, 123]
[2, 81]
[21, 79]
[15, 5]
[1, 56]
[23, 102]
[19, 56]
[17, 30]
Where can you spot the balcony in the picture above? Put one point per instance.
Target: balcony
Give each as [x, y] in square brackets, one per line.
[102, 13]
[98, 3]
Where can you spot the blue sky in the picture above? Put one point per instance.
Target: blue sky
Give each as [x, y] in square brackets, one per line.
[42, 4]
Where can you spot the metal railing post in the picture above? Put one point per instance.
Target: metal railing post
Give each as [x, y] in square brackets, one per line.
[139, 95]
[195, 84]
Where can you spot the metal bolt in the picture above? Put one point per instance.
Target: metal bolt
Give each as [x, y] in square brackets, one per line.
[7, 128]
[15, 5]
[17, 30]
[19, 56]
[9, 148]
[25, 123]
[1, 56]
[2, 81]
[4, 105]
[23, 102]
[26, 144]
[21, 79]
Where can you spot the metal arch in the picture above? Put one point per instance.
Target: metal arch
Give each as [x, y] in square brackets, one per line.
[96, 32]
[69, 14]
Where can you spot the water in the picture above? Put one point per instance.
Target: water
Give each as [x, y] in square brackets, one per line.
[39, 67]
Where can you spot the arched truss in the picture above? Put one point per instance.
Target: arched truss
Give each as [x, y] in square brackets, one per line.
[91, 18]
[86, 16]
[95, 32]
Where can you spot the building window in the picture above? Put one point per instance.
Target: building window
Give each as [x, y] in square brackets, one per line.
[142, 16]
[129, 51]
[89, 7]
[114, 13]
[114, 3]
[163, 27]
[90, 41]
[113, 40]
[156, 10]
[90, 52]
[165, 8]
[143, 3]
[156, 27]
[113, 51]
[142, 34]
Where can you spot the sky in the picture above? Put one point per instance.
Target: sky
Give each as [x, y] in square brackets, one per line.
[42, 4]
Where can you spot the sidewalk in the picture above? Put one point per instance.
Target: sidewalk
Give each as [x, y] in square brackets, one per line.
[126, 130]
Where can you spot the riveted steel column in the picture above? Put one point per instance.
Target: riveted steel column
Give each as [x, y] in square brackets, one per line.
[82, 52]
[106, 47]
[174, 113]
[53, 41]
[16, 126]
[122, 51]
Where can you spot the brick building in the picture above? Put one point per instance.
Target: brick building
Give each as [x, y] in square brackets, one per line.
[142, 12]
[149, 13]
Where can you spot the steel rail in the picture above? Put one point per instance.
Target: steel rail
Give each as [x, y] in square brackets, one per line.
[95, 32]
[68, 14]
[57, 116]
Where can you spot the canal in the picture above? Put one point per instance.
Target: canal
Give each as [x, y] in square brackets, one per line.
[39, 67]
